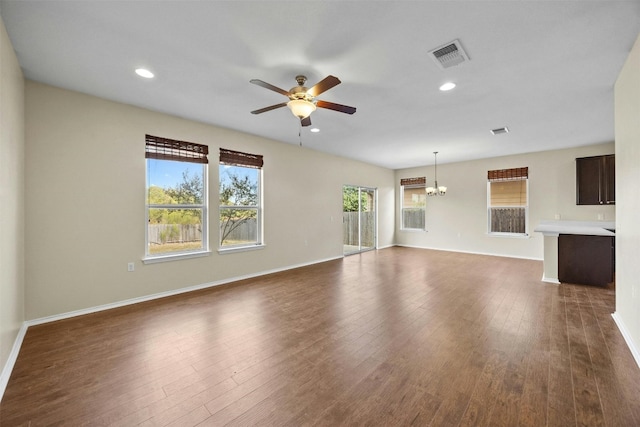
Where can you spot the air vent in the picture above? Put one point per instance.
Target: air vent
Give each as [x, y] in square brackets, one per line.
[500, 130]
[449, 55]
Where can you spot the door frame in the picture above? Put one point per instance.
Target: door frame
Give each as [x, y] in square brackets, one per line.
[359, 246]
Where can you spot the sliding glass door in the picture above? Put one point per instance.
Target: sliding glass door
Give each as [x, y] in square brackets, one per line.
[358, 219]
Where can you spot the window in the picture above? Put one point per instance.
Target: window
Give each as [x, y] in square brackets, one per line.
[240, 199]
[176, 197]
[508, 201]
[413, 200]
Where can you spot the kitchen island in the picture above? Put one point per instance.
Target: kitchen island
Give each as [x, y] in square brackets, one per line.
[552, 230]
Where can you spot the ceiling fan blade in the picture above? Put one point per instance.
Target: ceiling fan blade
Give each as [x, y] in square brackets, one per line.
[269, 108]
[269, 86]
[324, 85]
[336, 107]
[306, 121]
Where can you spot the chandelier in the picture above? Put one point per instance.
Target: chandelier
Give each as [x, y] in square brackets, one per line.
[437, 190]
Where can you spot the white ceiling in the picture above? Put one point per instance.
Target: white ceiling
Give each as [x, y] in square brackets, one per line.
[545, 69]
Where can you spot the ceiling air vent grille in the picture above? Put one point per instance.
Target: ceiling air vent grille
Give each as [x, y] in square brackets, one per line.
[499, 131]
[449, 55]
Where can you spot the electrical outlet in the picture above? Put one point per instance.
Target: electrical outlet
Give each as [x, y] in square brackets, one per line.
[557, 216]
[600, 216]
[131, 266]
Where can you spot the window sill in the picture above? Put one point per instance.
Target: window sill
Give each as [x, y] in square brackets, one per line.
[175, 257]
[224, 251]
[413, 230]
[509, 235]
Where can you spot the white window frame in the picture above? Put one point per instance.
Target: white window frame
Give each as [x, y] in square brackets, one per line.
[258, 207]
[402, 208]
[526, 212]
[259, 224]
[204, 207]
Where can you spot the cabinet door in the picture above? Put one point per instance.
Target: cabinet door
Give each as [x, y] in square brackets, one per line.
[586, 260]
[610, 180]
[588, 179]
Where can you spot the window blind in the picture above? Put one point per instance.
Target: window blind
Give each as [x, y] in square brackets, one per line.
[509, 193]
[414, 181]
[508, 174]
[171, 149]
[237, 158]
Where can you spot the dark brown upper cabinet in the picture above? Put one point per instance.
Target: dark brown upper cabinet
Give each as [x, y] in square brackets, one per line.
[596, 180]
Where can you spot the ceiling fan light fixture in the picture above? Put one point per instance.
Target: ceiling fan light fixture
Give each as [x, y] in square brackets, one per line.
[301, 108]
[302, 101]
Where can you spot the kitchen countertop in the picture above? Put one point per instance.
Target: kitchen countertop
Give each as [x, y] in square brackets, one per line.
[588, 228]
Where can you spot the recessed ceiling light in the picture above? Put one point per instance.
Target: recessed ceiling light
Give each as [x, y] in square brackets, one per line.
[314, 130]
[447, 86]
[143, 72]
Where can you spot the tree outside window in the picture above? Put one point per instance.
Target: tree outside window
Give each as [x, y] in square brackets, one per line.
[240, 199]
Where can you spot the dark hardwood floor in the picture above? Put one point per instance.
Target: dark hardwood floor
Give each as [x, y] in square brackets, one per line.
[398, 336]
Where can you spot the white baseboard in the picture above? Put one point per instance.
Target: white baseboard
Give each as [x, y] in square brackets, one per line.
[385, 247]
[549, 280]
[627, 337]
[11, 361]
[469, 252]
[166, 294]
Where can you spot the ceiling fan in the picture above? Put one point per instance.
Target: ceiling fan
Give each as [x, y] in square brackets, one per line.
[302, 101]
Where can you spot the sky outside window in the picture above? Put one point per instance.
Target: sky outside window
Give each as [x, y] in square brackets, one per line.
[167, 173]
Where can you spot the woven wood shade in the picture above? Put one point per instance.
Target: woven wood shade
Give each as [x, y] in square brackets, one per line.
[171, 149]
[414, 197]
[509, 193]
[237, 158]
[508, 174]
[414, 181]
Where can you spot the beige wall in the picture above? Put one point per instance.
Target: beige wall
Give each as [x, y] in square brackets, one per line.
[627, 120]
[458, 221]
[85, 188]
[11, 199]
